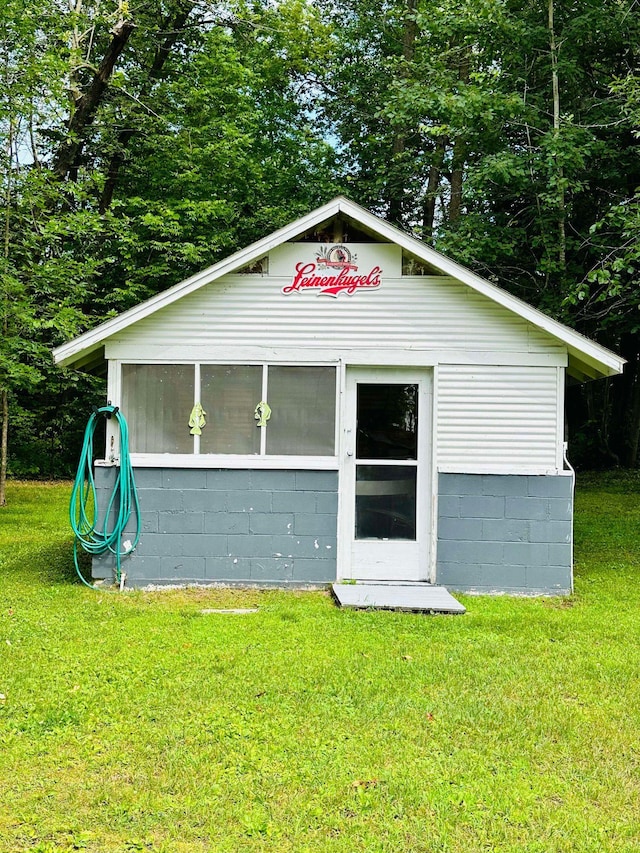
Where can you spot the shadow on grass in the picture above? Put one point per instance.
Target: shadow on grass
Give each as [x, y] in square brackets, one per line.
[49, 564]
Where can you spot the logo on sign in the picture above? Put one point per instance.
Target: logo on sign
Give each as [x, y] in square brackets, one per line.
[334, 271]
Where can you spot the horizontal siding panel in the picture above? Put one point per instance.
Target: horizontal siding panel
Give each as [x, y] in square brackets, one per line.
[504, 418]
[429, 312]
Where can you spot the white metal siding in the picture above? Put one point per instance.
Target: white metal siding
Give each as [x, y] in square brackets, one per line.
[498, 419]
[433, 313]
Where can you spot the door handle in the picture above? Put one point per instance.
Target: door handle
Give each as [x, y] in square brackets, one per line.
[349, 452]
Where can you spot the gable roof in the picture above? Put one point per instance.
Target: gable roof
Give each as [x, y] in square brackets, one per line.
[587, 359]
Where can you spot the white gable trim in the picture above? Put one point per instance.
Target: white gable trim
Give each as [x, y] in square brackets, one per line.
[601, 361]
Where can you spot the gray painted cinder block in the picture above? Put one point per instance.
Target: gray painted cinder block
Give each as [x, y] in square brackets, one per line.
[313, 571]
[550, 487]
[550, 579]
[304, 546]
[479, 506]
[148, 478]
[180, 522]
[224, 568]
[471, 552]
[526, 553]
[249, 501]
[449, 506]
[232, 526]
[271, 569]
[224, 480]
[226, 522]
[532, 509]
[273, 481]
[523, 543]
[203, 500]
[549, 531]
[560, 509]
[176, 568]
[205, 546]
[271, 522]
[184, 478]
[253, 545]
[559, 554]
[507, 530]
[159, 544]
[165, 500]
[148, 522]
[104, 476]
[318, 481]
[102, 566]
[461, 484]
[469, 529]
[142, 568]
[326, 502]
[315, 524]
[296, 501]
[505, 485]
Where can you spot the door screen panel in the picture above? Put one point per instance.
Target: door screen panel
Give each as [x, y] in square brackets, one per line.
[386, 502]
[387, 417]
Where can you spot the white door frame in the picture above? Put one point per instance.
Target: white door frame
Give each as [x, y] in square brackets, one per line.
[423, 377]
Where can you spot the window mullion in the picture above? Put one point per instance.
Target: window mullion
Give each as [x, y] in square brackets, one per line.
[265, 397]
[196, 399]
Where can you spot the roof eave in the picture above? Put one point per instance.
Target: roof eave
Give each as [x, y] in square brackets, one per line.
[600, 359]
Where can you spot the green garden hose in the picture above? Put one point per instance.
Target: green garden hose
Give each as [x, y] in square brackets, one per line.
[106, 536]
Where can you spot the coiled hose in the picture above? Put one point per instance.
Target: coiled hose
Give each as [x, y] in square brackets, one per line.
[84, 513]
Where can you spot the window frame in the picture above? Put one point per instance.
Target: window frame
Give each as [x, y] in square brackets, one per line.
[221, 460]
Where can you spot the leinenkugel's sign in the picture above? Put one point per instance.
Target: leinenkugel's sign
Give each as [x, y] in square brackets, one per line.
[333, 270]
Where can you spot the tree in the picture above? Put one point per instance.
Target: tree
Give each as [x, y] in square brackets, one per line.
[145, 142]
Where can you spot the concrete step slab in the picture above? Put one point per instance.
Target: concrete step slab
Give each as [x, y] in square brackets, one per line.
[420, 597]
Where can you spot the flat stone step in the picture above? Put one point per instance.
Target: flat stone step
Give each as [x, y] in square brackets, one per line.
[421, 597]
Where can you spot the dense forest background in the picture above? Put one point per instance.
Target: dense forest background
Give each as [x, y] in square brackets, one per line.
[143, 141]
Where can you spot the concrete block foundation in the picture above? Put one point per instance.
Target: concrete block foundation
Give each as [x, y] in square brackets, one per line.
[229, 526]
[505, 533]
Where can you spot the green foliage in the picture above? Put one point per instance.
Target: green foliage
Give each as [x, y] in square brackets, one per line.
[217, 124]
[138, 722]
[198, 144]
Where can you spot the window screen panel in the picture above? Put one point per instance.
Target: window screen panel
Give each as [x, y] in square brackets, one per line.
[157, 400]
[229, 395]
[303, 411]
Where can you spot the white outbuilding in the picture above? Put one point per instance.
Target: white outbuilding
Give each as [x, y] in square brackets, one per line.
[339, 401]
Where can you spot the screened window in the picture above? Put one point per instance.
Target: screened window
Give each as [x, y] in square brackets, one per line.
[229, 394]
[248, 409]
[303, 409]
[154, 400]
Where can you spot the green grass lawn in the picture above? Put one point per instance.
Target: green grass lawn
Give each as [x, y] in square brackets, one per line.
[134, 722]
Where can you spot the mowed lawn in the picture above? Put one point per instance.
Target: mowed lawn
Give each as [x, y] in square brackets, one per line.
[136, 722]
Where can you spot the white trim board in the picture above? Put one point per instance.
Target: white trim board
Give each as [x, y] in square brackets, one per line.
[213, 460]
[592, 359]
[407, 357]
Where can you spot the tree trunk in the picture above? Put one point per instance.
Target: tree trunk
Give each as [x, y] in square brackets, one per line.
[4, 394]
[459, 149]
[4, 445]
[455, 202]
[633, 426]
[559, 176]
[627, 403]
[67, 157]
[398, 147]
[433, 185]
[173, 28]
